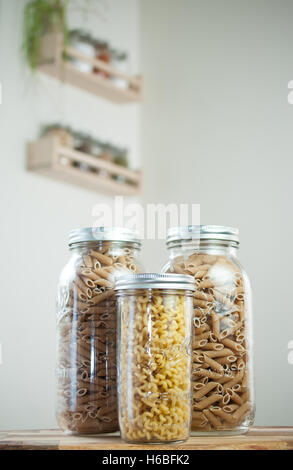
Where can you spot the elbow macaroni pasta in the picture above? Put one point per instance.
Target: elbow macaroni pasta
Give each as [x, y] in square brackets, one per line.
[154, 365]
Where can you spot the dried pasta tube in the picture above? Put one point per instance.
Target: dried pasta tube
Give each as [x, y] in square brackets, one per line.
[215, 422]
[207, 401]
[204, 390]
[107, 260]
[233, 345]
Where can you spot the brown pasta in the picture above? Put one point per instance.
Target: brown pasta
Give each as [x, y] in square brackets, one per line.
[220, 346]
[87, 370]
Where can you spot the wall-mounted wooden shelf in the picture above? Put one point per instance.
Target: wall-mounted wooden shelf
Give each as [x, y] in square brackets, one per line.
[47, 157]
[52, 52]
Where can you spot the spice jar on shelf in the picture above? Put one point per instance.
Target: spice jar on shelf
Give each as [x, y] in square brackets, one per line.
[82, 42]
[120, 64]
[120, 158]
[86, 368]
[154, 317]
[83, 143]
[102, 53]
[222, 376]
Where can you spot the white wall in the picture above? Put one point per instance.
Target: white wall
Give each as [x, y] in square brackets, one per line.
[37, 213]
[217, 130]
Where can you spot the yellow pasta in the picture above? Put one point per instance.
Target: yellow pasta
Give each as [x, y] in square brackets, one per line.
[154, 385]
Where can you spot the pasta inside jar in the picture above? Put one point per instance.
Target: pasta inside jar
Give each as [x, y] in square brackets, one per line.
[86, 331]
[222, 379]
[154, 360]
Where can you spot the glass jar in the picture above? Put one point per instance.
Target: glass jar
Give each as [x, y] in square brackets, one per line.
[154, 318]
[86, 328]
[83, 43]
[222, 377]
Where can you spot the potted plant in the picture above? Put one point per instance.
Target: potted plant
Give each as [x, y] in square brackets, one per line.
[41, 17]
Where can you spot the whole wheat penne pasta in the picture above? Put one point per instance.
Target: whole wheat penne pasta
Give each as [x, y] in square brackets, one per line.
[102, 272]
[233, 345]
[213, 338]
[226, 360]
[245, 396]
[234, 396]
[97, 264]
[105, 295]
[103, 283]
[107, 260]
[236, 388]
[216, 320]
[213, 346]
[74, 302]
[79, 282]
[242, 410]
[80, 294]
[198, 415]
[213, 364]
[202, 328]
[198, 386]
[244, 382]
[228, 417]
[204, 390]
[230, 408]
[219, 353]
[234, 381]
[88, 282]
[219, 307]
[200, 303]
[204, 335]
[200, 343]
[208, 401]
[225, 399]
[88, 273]
[205, 284]
[229, 331]
[208, 373]
[88, 261]
[200, 273]
[203, 296]
[214, 421]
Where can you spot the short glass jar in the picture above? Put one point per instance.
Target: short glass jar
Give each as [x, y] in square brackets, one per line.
[154, 332]
[86, 328]
[222, 376]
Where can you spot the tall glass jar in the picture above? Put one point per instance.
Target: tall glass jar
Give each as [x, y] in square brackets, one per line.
[154, 317]
[86, 328]
[222, 377]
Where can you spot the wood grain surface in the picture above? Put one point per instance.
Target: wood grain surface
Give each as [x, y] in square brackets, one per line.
[259, 438]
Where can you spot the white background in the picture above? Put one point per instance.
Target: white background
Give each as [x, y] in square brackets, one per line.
[216, 129]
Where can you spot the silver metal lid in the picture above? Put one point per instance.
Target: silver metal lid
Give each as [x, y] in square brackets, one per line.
[155, 281]
[92, 234]
[203, 232]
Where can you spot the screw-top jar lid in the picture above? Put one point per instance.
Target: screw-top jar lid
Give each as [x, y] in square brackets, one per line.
[203, 232]
[93, 234]
[155, 281]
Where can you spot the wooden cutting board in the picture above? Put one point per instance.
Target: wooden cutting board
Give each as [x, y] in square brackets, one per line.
[259, 438]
